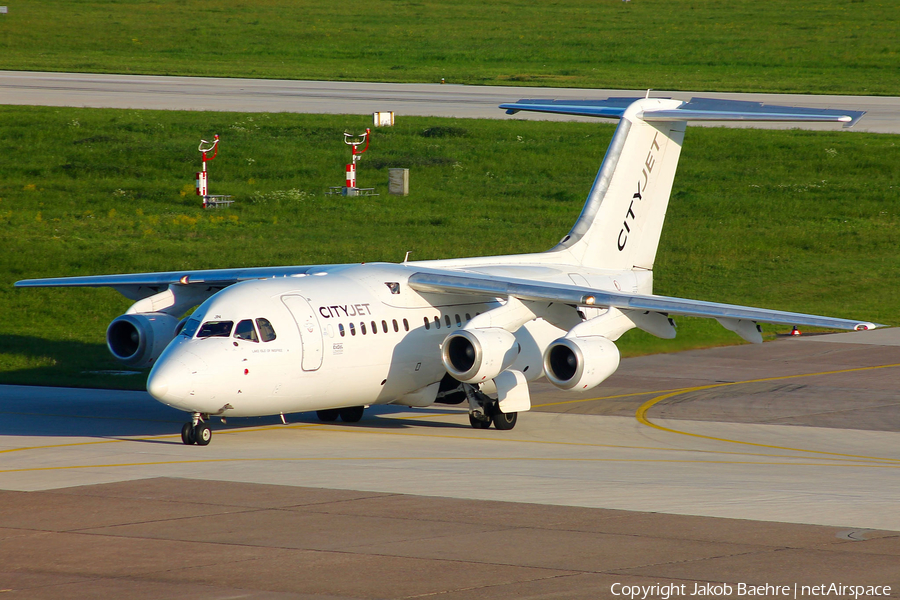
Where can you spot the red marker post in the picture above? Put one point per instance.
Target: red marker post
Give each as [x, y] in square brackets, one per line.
[354, 142]
[202, 179]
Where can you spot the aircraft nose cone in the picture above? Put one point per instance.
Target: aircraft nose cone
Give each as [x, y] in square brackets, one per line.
[165, 378]
[174, 376]
[157, 386]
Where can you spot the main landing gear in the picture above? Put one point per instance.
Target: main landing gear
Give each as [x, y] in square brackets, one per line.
[350, 414]
[484, 410]
[197, 431]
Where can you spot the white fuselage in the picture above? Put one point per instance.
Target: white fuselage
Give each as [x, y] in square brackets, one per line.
[354, 335]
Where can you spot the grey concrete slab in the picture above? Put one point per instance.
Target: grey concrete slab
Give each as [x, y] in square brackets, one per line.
[339, 97]
[360, 575]
[38, 586]
[220, 494]
[118, 557]
[808, 566]
[538, 552]
[292, 529]
[50, 512]
[559, 549]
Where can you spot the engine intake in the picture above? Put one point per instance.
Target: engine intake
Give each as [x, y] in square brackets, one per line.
[476, 355]
[138, 339]
[580, 363]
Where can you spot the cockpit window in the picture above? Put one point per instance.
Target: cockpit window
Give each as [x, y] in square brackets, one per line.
[246, 331]
[215, 329]
[190, 328]
[266, 331]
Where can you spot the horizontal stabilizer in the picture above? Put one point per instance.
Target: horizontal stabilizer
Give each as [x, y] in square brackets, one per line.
[697, 109]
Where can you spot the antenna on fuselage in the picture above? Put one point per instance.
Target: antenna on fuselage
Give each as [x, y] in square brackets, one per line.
[406, 258]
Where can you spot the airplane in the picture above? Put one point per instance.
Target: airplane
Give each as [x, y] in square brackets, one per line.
[337, 338]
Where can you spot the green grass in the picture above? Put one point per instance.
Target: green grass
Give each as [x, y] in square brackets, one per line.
[793, 220]
[805, 46]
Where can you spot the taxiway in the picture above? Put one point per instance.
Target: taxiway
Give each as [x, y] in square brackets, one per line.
[342, 97]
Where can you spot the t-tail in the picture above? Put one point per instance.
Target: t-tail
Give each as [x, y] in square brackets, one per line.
[621, 223]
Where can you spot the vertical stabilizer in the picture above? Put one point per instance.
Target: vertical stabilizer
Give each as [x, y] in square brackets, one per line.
[622, 220]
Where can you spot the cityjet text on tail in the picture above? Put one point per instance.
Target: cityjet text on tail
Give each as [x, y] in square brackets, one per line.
[336, 338]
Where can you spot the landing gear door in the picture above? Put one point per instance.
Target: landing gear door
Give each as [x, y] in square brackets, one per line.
[310, 332]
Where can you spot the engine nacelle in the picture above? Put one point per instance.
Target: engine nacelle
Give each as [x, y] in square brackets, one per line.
[477, 355]
[138, 339]
[580, 363]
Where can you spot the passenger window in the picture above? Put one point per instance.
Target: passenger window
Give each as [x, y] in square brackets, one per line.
[374, 328]
[341, 329]
[362, 328]
[406, 324]
[352, 329]
[384, 326]
[190, 328]
[216, 329]
[437, 322]
[427, 323]
[447, 320]
[266, 331]
[468, 318]
[246, 331]
[396, 327]
[458, 321]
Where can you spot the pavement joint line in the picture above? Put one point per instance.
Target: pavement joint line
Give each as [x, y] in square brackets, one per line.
[848, 458]
[629, 395]
[327, 427]
[641, 414]
[444, 459]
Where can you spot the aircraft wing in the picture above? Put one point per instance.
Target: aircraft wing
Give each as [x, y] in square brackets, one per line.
[141, 285]
[523, 289]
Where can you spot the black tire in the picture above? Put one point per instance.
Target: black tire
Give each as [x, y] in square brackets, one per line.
[476, 424]
[505, 421]
[328, 415]
[352, 414]
[187, 434]
[202, 434]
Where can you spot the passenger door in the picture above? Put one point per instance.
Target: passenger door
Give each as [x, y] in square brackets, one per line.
[310, 332]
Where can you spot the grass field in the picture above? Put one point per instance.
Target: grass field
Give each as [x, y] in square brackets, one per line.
[804, 46]
[804, 221]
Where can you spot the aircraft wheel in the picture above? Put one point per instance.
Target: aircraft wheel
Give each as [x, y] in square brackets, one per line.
[202, 434]
[505, 421]
[328, 415]
[352, 414]
[187, 434]
[477, 424]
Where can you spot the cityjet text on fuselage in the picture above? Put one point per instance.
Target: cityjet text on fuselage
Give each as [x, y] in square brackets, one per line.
[344, 310]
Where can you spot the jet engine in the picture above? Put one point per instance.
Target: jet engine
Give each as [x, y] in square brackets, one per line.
[477, 355]
[138, 339]
[580, 363]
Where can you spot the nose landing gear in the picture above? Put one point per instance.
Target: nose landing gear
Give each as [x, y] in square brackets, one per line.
[197, 431]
